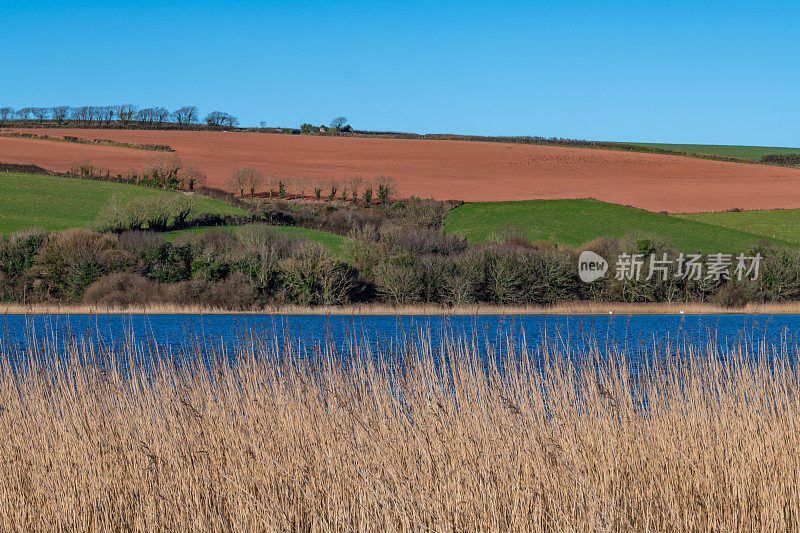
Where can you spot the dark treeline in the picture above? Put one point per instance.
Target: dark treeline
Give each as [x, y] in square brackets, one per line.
[116, 116]
[396, 254]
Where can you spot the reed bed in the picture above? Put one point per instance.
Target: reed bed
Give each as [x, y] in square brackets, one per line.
[265, 435]
[560, 308]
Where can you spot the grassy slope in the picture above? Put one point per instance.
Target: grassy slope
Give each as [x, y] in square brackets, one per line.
[778, 223]
[745, 152]
[575, 222]
[330, 240]
[55, 203]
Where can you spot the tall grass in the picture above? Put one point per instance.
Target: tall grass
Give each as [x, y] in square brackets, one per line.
[268, 435]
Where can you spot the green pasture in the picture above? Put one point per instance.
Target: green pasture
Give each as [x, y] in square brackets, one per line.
[56, 203]
[782, 224]
[744, 152]
[574, 222]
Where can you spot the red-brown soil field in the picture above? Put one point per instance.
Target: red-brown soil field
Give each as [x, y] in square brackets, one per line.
[461, 170]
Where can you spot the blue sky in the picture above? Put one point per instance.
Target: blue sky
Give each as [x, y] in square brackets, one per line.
[706, 72]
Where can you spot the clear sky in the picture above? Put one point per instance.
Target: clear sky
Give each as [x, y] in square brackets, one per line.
[705, 72]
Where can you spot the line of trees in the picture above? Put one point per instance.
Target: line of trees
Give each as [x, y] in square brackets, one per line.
[124, 115]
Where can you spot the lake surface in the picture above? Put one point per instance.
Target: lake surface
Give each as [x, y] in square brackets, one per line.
[638, 336]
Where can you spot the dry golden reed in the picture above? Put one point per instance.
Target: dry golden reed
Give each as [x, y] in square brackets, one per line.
[368, 440]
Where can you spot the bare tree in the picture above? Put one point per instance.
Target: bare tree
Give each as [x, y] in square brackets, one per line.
[160, 114]
[338, 123]
[302, 184]
[80, 114]
[216, 119]
[40, 113]
[23, 113]
[272, 182]
[254, 180]
[125, 113]
[105, 113]
[245, 178]
[59, 113]
[145, 115]
[193, 177]
[6, 112]
[230, 121]
[355, 186]
[92, 112]
[185, 115]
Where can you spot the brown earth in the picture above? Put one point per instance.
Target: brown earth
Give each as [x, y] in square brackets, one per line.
[462, 170]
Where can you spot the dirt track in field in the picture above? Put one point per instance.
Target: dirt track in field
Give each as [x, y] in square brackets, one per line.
[462, 170]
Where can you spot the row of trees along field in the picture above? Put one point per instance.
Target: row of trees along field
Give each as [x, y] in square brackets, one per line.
[123, 115]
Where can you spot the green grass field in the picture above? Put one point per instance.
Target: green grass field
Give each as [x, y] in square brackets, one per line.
[56, 203]
[744, 152]
[781, 224]
[331, 241]
[575, 222]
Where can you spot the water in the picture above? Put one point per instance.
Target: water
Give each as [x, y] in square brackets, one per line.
[638, 336]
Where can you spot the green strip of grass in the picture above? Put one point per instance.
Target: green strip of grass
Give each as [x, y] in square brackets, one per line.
[744, 152]
[574, 222]
[56, 203]
[781, 224]
[331, 241]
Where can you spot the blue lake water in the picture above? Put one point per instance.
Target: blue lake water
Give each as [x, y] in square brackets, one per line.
[636, 335]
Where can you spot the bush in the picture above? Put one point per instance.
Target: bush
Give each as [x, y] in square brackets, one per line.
[163, 172]
[157, 214]
[71, 261]
[311, 276]
[211, 253]
[155, 258]
[399, 283]
[235, 292]
[730, 295]
[782, 159]
[259, 253]
[17, 251]
[124, 289]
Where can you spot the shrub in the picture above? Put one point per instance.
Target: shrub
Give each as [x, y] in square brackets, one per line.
[157, 214]
[157, 259]
[399, 283]
[124, 289]
[85, 169]
[163, 172]
[506, 233]
[17, 251]
[211, 253]
[235, 292]
[259, 254]
[245, 178]
[385, 189]
[782, 159]
[70, 261]
[731, 295]
[313, 277]
[417, 213]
